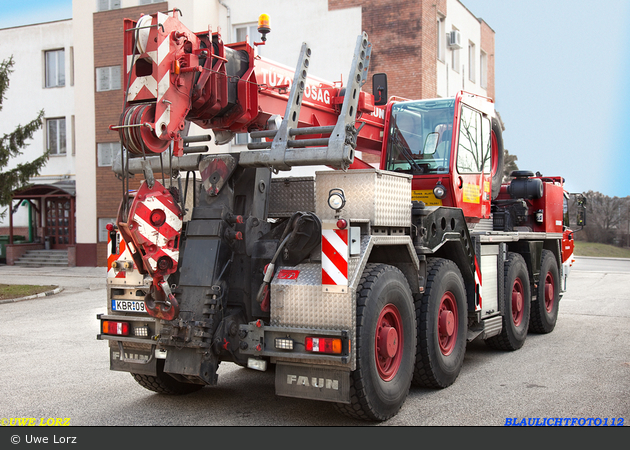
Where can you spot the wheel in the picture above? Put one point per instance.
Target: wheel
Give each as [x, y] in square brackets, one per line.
[516, 305]
[544, 313]
[441, 325]
[163, 383]
[385, 345]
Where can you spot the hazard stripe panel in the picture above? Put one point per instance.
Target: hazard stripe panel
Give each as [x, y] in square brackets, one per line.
[478, 284]
[335, 257]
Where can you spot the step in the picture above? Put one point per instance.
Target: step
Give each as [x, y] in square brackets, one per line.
[40, 264]
[43, 258]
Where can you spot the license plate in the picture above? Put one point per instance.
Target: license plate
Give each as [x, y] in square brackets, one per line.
[128, 305]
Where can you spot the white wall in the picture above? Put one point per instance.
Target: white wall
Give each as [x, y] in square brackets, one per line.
[331, 35]
[450, 81]
[82, 13]
[27, 95]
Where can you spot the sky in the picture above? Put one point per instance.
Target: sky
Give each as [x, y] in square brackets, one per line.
[26, 12]
[560, 83]
[562, 88]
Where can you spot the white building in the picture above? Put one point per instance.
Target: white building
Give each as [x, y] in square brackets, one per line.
[42, 78]
[76, 123]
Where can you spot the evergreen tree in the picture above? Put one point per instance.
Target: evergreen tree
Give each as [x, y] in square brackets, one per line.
[11, 145]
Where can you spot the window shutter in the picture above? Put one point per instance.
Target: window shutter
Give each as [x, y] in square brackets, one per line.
[115, 82]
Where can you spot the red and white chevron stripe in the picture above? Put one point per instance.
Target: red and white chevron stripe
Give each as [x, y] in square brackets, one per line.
[335, 258]
[123, 253]
[156, 240]
[478, 283]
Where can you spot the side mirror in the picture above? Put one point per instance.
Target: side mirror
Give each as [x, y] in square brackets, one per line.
[581, 217]
[379, 88]
[581, 210]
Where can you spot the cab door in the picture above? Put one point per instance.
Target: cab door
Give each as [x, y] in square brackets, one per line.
[472, 179]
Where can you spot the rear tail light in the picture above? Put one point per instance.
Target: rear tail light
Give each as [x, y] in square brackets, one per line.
[117, 328]
[323, 345]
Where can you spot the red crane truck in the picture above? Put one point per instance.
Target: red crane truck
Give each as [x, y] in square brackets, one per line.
[354, 283]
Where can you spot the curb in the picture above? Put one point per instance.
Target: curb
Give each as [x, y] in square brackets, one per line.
[30, 297]
[603, 257]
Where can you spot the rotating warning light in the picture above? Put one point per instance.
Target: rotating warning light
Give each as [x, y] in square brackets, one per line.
[263, 26]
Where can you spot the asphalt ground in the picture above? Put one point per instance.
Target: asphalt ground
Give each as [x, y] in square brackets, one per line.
[53, 367]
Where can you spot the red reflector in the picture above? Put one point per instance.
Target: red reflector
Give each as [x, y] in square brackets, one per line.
[157, 217]
[342, 224]
[323, 345]
[117, 328]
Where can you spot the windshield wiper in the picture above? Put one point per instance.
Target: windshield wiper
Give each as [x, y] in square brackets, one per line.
[403, 150]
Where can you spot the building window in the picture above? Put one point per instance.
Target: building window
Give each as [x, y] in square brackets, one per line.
[483, 70]
[146, 2]
[56, 136]
[441, 38]
[249, 33]
[471, 62]
[246, 33]
[55, 68]
[106, 153]
[108, 79]
[455, 60]
[106, 5]
[103, 234]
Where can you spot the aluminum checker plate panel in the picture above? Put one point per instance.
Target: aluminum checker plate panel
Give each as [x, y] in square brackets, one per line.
[287, 195]
[300, 303]
[384, 198]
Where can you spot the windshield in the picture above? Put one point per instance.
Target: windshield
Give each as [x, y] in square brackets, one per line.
[420, 134]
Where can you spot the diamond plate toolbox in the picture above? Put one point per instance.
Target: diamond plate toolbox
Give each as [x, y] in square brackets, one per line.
[288, 195]
[384, 198]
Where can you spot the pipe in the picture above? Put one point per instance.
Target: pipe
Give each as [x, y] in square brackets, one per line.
[229, 20]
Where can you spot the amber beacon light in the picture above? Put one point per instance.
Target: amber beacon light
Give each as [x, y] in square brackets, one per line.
[263, 26]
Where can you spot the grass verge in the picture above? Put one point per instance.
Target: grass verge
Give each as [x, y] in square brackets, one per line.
[8, 291]
[600, 250]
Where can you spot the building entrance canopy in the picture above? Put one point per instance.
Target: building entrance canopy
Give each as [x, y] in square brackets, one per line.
[54, 207]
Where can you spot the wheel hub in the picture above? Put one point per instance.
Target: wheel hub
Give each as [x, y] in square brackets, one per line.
[549, 292]
[447, 323]
[388, 342]
[517, 302]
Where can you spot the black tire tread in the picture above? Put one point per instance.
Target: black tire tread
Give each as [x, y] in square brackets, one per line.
[423, 374]
[163, 383]
[536, 324]
[502, 341]
[359, 407]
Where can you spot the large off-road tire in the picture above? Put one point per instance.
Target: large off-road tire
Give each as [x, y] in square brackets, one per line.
[441, 325]
[515, 306]
[385, 345]
[163, 383]
[544, 312]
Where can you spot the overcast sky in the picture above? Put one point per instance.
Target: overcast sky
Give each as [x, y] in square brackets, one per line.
[561, 89]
